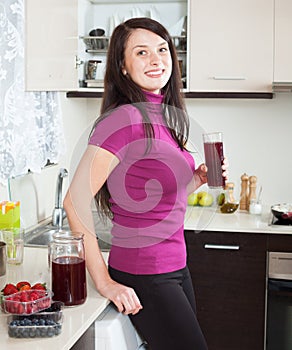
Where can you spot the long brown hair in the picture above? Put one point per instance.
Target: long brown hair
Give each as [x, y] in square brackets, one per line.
[119, 89]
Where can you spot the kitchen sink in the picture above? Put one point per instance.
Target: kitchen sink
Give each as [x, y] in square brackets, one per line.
[42, 235]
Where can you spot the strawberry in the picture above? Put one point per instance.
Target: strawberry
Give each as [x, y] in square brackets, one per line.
[19, 308]
[21, 284]
[39, 286]
[25, 287]
[34, 296]
[9, 289]
[24, 297]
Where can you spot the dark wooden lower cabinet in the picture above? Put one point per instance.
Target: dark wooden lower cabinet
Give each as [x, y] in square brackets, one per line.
[229, 277]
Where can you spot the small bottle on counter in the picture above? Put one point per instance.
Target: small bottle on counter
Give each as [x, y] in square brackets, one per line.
[230, 205]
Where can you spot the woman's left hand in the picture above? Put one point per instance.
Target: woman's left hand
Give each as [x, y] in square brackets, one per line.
[200, 174]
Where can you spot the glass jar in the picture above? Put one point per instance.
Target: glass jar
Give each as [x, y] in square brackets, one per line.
[68, 271]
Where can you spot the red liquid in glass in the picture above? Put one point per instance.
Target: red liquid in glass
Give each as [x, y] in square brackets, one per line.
[214, 159]
[69, 280]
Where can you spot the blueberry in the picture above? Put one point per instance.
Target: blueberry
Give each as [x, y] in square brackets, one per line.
[25, 332]
[43, 332]
[51, 332]
[11, 332]
[58, 329]
[32, 332]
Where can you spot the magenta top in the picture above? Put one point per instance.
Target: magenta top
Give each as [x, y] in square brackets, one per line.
[148, 190]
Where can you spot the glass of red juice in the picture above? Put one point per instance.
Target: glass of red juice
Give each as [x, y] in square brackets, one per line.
[68, 271]
[214, 156]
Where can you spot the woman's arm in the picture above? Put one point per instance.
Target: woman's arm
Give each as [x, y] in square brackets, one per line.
[92, 172]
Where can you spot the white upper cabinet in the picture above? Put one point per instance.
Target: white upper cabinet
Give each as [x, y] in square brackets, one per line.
[231, 45]
[51, 45]
[59, 46]
[283, 41]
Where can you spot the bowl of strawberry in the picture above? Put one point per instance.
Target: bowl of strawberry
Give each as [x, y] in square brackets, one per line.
[25, 299]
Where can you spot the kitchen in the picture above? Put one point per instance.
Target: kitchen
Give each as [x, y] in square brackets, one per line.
[256, 135]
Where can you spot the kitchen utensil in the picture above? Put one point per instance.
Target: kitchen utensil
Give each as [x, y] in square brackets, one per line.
[97, 32]
[282, 211]
[98, 41]
[92, 69]
[243, 204]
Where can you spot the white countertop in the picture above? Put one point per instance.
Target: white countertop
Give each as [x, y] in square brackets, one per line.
[76, 319]
[211, 219]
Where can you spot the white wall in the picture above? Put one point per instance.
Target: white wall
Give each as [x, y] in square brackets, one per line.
[257, 140]
[257, 135]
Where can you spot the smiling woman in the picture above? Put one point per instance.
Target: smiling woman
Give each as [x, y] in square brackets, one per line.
[139, 171]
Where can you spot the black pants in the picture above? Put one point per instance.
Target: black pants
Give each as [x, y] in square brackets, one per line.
[168, 319]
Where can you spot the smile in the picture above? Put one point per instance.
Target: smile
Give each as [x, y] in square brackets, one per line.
[155, 73]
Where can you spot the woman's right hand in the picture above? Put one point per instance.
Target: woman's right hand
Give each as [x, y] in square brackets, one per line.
[122, 296]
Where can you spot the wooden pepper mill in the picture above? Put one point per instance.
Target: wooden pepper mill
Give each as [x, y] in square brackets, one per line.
[244, 198]
[252, 189]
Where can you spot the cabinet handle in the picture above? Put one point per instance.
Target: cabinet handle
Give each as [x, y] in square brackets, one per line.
[78, 62]
[229, 78]
[221, 246]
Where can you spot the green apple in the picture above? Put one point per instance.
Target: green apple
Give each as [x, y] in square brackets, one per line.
[221, 199]
[205, 199]
[193, 199]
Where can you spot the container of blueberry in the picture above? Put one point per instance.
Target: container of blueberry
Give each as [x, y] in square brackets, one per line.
[44, 324]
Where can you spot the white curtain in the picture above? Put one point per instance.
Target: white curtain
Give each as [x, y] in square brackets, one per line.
[31, 130]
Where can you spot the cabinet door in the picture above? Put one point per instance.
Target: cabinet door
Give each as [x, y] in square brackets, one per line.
[51, 45]
[283, 41]
[229, 277]
[231, 45]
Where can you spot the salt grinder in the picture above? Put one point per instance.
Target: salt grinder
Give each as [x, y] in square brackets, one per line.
[243, 204]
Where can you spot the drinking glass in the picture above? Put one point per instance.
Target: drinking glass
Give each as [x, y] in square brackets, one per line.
[14, 239]
[214, 156]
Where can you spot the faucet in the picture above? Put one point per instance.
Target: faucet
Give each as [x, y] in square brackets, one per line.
[59, 213]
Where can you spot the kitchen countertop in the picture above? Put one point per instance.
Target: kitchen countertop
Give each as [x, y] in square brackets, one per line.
[76, 319]
[211, 219]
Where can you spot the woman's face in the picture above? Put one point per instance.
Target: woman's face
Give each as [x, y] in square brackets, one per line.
[147, 60]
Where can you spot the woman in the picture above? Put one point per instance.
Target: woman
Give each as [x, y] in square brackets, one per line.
[137, 168]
